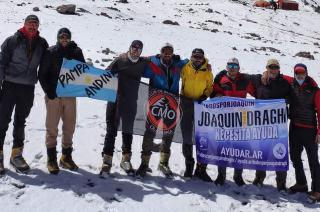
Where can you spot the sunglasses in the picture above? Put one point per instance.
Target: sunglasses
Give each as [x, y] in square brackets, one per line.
[233, 66]
[197, 57]
[274, 67]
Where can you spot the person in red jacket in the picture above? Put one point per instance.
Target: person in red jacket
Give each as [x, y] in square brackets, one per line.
[231, 82]
[304, 131]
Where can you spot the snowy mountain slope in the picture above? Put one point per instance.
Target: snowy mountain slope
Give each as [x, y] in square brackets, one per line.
[243, 31]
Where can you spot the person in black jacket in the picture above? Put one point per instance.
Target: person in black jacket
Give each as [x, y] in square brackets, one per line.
[20, 57]
[129, 67]
[277, 87]
[59, 107]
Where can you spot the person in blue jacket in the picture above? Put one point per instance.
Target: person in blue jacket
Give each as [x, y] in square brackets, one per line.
[164, 74]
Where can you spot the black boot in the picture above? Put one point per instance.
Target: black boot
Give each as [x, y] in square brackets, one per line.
[220, 179]
[281, 186]
[221, 175]
[66, 160]
[144, 166]
[201, 172]
[187, 150]
[260, 176]
[52, 163]
[189, 168]
[237, 177]
[298, 188]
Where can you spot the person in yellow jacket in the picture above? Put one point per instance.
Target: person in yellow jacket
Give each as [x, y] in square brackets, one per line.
[197, 80]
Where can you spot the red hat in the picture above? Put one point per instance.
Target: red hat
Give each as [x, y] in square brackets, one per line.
[300, 69]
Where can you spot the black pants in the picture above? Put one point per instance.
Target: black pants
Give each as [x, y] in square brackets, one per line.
[300, 138]
[149, 135]
[112, 119]
[20, 98]
[187, 128]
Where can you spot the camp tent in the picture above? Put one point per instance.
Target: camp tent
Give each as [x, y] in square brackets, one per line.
[288, 5]
[262, 3]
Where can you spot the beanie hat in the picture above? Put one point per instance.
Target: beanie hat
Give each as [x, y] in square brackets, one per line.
[31, 18]
[273, 62]
[300, 68]
[137, 43]
[167, 45]
[64, 31]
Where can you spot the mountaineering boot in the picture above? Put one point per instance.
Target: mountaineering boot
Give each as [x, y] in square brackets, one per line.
[144, 166]
[126, 164]
[220, 179]
[238, 179]
[106, 165]
[18, 162]
[259, 178]
[281, 186]
[66, 160]
[314, 196]
[297, 188]
[164, 165]
[2, 171]
[189, 168]
[258, 181]
[52, 163]
[201, 172]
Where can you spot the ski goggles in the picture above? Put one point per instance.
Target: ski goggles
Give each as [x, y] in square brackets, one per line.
[233, 66]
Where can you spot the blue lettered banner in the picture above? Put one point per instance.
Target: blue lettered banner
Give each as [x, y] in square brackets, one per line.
[78, 79]
[242, 133]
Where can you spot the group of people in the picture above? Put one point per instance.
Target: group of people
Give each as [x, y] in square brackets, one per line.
[25, 57]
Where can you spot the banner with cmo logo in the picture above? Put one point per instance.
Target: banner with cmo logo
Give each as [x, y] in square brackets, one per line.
[163, 111]
[242, 133]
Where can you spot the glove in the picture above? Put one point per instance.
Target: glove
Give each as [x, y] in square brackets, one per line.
[318, 139]
[202, 98]
[51, 95]
[176, 57]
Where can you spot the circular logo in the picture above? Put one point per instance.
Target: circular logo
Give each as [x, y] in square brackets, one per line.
[203, 142]
[279, 151]
[163, 111]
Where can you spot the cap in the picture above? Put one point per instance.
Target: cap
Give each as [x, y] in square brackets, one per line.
[198, 51]
[31, 18]
[273, 62]
[137, 43]
[233, 60]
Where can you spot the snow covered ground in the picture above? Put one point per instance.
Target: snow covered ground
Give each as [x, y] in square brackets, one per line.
[243, 31]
